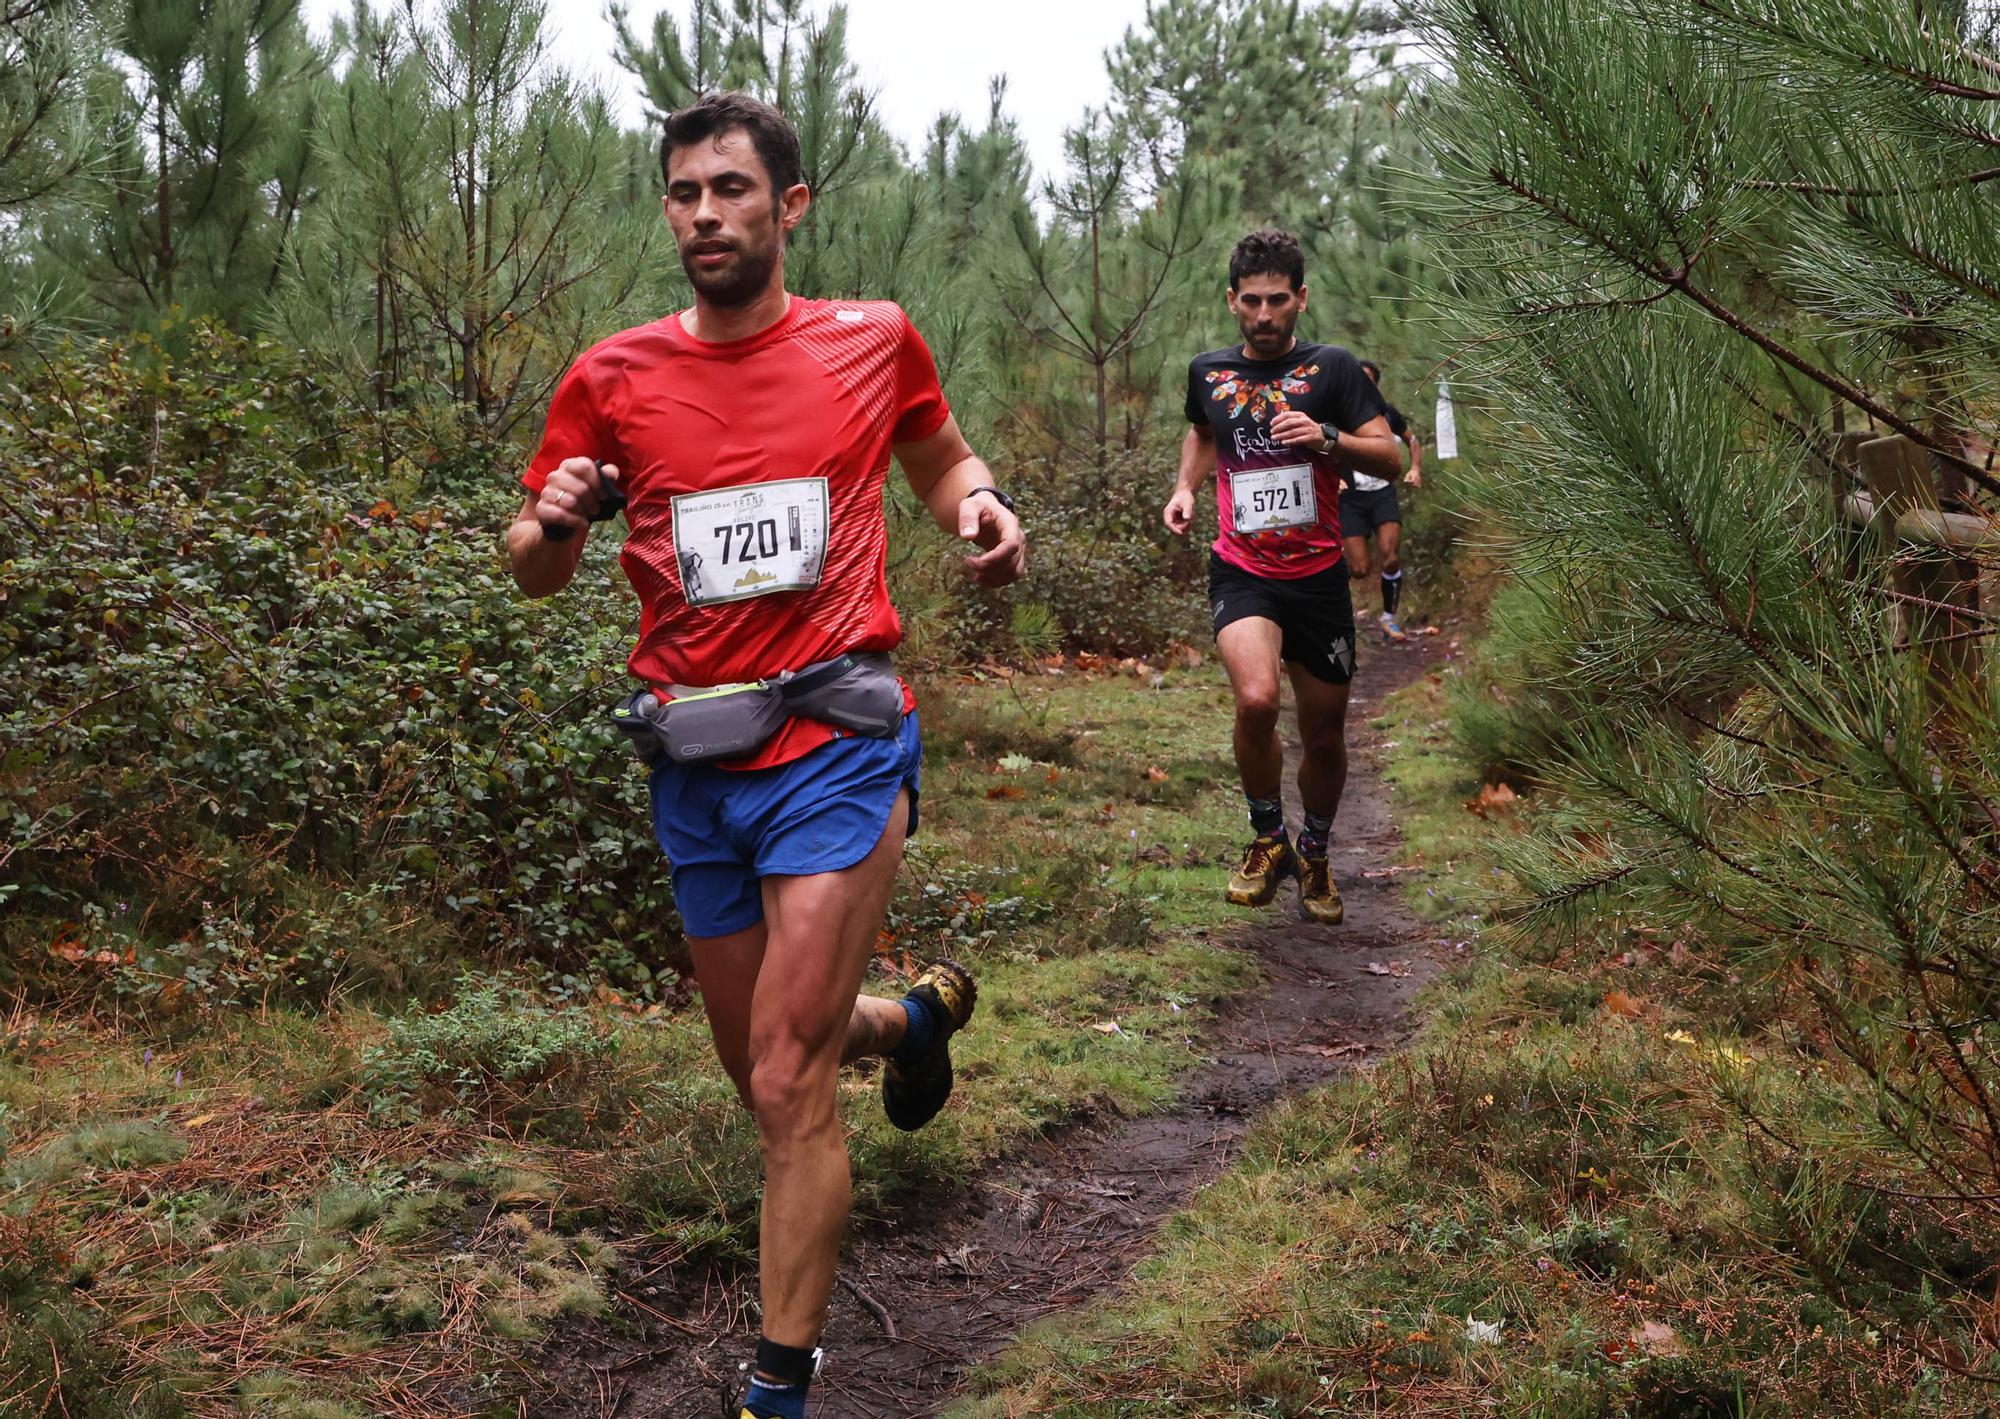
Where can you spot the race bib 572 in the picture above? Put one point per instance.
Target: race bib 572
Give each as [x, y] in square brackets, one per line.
[1265, 499]
[751, 540]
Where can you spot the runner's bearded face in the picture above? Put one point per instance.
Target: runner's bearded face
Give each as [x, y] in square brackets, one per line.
[727, 221]
[1266, 310]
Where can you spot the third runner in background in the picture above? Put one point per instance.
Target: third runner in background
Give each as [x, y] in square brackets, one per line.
[1276, 421]
[1368, 505]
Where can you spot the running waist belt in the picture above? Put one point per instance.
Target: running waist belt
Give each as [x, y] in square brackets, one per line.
[858, 692]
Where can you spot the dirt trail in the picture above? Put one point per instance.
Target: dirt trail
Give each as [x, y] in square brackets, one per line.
[1067, 1219]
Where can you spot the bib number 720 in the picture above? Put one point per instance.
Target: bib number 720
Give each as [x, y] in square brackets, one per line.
[746, 541]
[750, 540]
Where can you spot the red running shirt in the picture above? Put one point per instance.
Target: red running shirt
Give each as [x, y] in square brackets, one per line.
[823, 394]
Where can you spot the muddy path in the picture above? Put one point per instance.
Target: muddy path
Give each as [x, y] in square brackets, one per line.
[921, 1302]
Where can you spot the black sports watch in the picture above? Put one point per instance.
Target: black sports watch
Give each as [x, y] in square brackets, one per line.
[998, 496]
[1331, 433]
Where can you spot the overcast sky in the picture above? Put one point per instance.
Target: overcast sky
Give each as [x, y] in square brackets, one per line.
[921, 57]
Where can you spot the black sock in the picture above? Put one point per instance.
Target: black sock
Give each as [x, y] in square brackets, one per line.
[779, 1383]
[1313, 836]
[1392, 589]
[1267, 815]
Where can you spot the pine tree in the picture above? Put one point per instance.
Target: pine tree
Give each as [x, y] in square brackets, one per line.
[1685, 229]
[209, 162]
[479, 224]
[1291, 110]
[1097, 281]
[45, 64]
[1262, 90]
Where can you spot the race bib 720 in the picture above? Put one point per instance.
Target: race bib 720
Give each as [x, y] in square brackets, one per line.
[751, 540]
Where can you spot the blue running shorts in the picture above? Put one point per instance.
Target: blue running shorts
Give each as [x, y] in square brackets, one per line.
[723, 829]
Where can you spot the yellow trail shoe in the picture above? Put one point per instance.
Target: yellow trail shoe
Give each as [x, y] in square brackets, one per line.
[913, 1090]
[1269, 861]
[1318, 897]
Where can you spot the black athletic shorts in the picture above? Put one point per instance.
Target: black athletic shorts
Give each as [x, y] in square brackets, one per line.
[1362, 513]
[1315, 613]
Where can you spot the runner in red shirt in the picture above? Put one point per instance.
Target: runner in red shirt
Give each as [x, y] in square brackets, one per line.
[750, 437]
[1279, 424]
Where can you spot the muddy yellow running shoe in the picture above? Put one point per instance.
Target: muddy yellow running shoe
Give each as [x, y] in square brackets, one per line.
[1269, 861]
[1318, 897]
[914, 1090]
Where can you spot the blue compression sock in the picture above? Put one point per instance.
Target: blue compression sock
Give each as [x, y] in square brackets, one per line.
[918, 1034]
[769, 1401]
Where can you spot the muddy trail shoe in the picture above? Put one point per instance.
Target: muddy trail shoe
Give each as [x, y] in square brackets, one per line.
[1391, 630]
[1269, 861]
[1318, 897]
[913, 1092]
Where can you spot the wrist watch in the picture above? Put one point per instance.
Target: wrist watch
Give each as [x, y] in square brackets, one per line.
[998, 496]
[1331, 433]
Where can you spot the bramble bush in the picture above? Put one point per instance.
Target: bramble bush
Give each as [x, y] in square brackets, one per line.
[274, 712]
[1103, 574]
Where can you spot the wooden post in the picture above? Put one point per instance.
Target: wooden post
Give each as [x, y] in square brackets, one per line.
[1940, 621]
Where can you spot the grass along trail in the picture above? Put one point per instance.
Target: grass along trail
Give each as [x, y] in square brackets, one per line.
[487, 1196]
[928, 1294]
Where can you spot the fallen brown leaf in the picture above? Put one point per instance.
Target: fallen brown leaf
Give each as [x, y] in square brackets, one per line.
[1655, 1338]
[1619, 1003]
[1493, 799]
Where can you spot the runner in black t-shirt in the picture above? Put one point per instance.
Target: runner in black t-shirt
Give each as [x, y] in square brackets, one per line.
[1278, 422]
[1368, 505]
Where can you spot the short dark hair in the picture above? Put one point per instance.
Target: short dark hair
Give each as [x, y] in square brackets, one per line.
[712, 115]
[1372, 370]
[1268, 252]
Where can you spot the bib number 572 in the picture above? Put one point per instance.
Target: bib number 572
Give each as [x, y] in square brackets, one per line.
[1267, 499]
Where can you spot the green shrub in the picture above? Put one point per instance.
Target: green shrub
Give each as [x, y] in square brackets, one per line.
[271, 695]
[493, 1050]
[1103, 574]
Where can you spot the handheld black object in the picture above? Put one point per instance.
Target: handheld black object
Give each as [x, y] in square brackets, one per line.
[610, 502]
